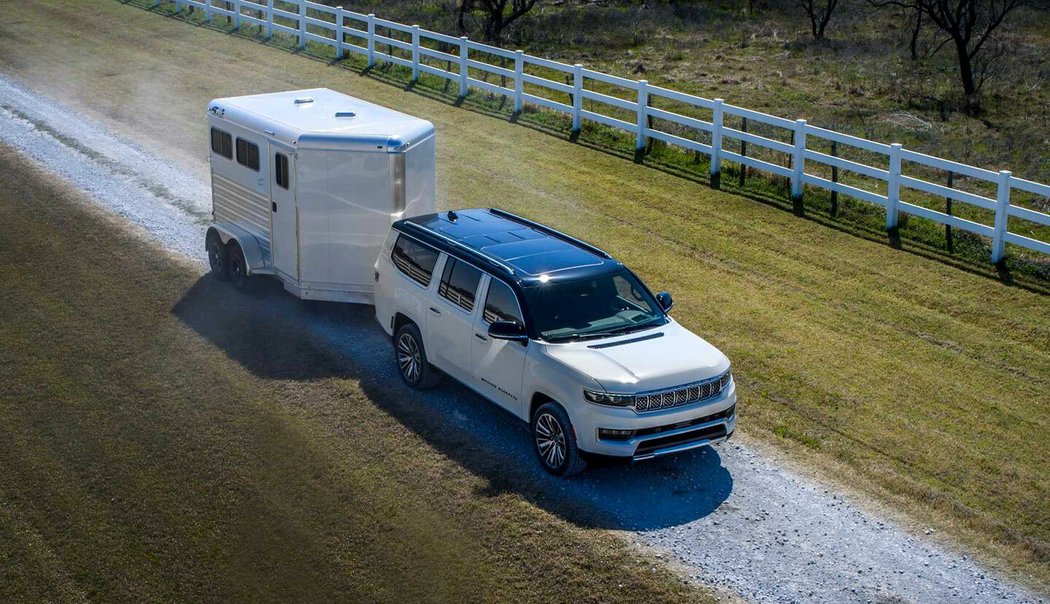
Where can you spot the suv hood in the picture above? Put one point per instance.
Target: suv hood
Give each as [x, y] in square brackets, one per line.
[653, 359]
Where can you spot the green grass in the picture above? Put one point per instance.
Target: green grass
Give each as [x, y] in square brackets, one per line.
[140, 460]
[913, 376]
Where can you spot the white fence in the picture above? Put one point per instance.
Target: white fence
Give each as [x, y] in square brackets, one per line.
[636, 111]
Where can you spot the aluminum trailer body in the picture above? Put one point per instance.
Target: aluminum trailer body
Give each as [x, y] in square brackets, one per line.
[308, 182]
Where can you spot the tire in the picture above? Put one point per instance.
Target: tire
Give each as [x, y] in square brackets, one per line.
[216, 255]
[236, 267]
[411, 358]
[555, 441]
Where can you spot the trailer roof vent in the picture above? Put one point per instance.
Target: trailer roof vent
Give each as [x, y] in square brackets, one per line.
[304, 100]
[346, 114]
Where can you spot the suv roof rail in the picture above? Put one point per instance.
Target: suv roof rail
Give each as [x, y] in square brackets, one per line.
[552, 232]
[478, 254]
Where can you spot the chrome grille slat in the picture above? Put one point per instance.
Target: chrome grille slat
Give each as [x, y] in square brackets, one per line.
[681, 395]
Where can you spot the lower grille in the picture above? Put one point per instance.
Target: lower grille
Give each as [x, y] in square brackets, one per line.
[656, 444]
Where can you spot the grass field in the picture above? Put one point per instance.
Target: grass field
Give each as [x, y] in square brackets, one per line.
[139, 461]
[906, 374]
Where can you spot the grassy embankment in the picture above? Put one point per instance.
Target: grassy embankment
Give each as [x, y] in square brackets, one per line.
[139, 461]
[906, 374]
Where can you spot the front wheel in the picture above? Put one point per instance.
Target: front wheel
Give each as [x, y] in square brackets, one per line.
[236, 267]
[555, 441]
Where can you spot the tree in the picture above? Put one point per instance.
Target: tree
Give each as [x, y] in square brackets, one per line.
[498, 15]
[969, 26]
[819, 13]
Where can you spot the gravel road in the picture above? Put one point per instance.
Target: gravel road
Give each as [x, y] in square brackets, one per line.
[730, 517]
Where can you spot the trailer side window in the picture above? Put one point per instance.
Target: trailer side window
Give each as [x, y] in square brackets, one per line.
[248, 154]
[414, 259]
[459, 283]
[280, 163]
[221, 143]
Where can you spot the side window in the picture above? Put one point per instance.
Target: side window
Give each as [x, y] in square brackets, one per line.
[280, 172]
[501, 304]
[248, 154]
[221, 143]
[459, 283]
[414, 259]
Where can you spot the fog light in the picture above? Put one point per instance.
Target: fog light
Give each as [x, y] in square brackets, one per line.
[607, 434]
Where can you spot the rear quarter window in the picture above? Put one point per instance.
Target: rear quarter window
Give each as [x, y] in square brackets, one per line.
[414, 259]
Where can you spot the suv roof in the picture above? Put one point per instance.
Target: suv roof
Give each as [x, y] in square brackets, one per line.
[520, 248]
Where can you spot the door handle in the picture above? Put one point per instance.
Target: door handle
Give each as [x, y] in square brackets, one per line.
[435, 311]
[481, 337]
[274, 206]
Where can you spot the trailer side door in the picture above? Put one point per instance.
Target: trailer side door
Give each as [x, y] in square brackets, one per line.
[284, 213]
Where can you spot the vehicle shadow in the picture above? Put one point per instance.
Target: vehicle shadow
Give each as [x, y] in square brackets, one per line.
[277, 336]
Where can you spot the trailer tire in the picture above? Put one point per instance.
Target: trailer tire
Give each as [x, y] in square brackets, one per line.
[236, 267]
[411, 358]
[216, 255]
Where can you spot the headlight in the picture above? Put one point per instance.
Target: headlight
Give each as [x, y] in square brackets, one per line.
[611, 400]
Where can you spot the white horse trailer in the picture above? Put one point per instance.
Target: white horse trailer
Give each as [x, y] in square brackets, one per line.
[305, 186]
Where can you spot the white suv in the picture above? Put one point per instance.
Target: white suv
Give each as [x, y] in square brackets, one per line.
[553, 330]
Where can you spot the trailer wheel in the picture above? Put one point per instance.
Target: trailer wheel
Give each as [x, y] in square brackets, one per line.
[216, 255]
[411, 357]
[236, 267]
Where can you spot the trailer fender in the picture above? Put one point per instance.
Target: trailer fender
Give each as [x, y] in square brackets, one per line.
[257, 261]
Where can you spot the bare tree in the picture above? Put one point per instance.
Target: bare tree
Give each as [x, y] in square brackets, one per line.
[498, 15]
[819, 13]
[969, 26]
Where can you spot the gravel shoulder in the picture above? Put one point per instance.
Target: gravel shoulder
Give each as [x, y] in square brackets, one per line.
[731, 517]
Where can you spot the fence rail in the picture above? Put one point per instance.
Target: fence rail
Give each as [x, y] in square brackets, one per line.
[692, 122]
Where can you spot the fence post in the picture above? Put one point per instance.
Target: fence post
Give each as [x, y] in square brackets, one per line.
[340, 33]
[236, 15]
[1002, 203]
[893, 187]
[519, 81]
[743, 152]
[415, 53]
[716, 144]
[834, 179]
[798, 162]
[643, 116]
[463, 73]
[371, 39]
[207, 11]
[178, 6]
[302, 24]
[577, 96]
[269, 19]
[948, 239]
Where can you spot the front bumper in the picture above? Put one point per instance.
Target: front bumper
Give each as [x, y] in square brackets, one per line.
[665, 432]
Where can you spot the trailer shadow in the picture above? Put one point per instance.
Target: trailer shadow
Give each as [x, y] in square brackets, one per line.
[277, 336]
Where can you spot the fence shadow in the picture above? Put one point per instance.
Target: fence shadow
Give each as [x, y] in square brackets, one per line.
[277, 336]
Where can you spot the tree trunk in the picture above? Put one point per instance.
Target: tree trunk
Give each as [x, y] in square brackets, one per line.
[969, 85]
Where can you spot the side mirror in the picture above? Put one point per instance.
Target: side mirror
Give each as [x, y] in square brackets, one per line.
[665, 300]
[508, 330]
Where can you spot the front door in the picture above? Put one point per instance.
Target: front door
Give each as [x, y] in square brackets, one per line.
[498, 364]
[284, 223]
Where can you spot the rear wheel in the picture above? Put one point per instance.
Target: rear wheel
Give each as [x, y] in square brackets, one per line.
[411, 357]
[216, 255]
[555, 441]
[236, 267]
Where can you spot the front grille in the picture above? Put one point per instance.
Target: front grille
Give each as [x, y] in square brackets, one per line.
[682, 395]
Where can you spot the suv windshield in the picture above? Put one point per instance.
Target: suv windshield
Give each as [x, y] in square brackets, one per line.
[594, 307]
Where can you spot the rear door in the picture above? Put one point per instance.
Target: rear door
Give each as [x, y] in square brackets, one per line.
[450, 320]
[284, 214]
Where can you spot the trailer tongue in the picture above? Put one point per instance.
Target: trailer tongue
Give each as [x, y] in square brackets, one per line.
[305, 186]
